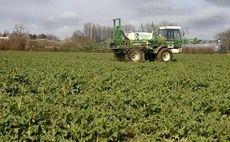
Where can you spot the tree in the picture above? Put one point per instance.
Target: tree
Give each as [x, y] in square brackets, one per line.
[88, 29]
[5, 34]
[149, 27]
[79, 39]
[52, 37]
[128, 28]
[77, 35]
[19, 31]
[225, 41]
[97, 32]
[19, 37]
[41, 36]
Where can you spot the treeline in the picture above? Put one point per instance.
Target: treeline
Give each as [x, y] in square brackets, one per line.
[43, 36]
[19, 39]
[92, 33]
[15, 40]
[225, 41]
[198, 50]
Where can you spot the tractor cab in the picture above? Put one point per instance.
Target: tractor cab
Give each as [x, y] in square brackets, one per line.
[170, 32]
[172, 35]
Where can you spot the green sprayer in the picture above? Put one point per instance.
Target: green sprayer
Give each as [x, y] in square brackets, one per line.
[158, 45]
[139, 46]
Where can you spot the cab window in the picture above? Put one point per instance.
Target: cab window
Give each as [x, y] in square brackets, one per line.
[173, 34]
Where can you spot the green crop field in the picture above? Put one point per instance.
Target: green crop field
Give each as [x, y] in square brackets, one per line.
[65, 97]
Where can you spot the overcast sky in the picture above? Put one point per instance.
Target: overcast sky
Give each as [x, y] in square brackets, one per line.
[203, 18]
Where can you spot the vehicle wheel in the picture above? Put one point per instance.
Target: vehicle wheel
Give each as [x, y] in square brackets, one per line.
[164, 55]
[135, 55]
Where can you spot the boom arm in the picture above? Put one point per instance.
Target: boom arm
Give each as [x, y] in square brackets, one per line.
[199, 41]
[178, 43]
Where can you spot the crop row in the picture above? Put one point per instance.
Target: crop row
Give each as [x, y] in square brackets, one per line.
[91, 97]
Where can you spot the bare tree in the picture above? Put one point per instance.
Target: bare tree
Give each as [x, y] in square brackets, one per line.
[107, 32]
[52, 37]
[128, 28]
[97, 32]
[225, 41]
[5, 34]
[77, 35]
[149, 27]
[88, 29]
[19, 37]
[79, 39]
[19, 30]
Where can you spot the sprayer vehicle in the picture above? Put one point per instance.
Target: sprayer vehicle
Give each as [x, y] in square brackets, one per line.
[139, 46]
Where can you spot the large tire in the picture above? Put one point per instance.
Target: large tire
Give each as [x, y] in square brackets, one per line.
[135, 55]
[165, 55]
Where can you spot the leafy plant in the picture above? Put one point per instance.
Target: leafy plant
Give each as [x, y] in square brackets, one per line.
[90, 97]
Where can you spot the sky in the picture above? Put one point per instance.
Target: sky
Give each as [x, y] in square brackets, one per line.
[202, 18]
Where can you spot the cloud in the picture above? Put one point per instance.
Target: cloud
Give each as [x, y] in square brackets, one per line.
[33, 26]
[63, 29]
[209, 21]
[24, 3]
[69, 15]
[61, 17]
[63, 23]
[159, 9]
[66, 16]
[50, 19]
[222, 3]
[207, 26]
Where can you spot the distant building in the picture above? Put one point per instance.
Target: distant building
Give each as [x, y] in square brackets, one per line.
[4, 38]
